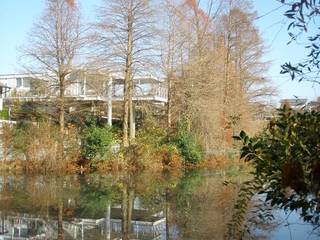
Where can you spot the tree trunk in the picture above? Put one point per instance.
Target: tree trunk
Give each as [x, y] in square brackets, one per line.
[169, 106]
[127, 81]
[130, 207]
[62, 104]
[131, 113]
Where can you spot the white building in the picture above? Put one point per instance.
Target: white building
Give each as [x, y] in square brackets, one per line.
[90, 85]
[80, 87]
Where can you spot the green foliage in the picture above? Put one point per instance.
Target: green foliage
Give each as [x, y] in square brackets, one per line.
[29, 138]
[237, 227]
[152, 136]
[96, 141]
[303, 16]
[191, 151]
[20, 140]
[4, 114]
[95, 197]
[153, 140]
[187, 186]
[286, 158]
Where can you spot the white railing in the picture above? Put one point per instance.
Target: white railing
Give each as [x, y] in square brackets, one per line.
[154, 92]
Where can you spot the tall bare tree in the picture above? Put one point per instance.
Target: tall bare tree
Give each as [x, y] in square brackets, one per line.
[212, 61]
[53, 49]
[169, 52]
[190, 62]
[125, 37]
[244, 83]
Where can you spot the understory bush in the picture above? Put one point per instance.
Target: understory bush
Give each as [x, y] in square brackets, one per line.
[96, 141]
[148, 144]
[190, 150]
[181, 148]
[41, 146]
[4, 114]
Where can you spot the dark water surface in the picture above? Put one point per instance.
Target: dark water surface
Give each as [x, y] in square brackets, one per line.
[189, 205]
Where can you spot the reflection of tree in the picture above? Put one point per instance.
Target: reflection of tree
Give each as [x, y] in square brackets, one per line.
[200, 205]
[167, 213]
[2, 230]
[155, 193]
[184, 201]
[96, 193]
[60, 220]
[23, 192]
[182, 197]
[186, 188]
[127, 207]
[41, 196]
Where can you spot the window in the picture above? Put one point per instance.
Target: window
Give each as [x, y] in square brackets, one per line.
[27, 82]
[19, 82]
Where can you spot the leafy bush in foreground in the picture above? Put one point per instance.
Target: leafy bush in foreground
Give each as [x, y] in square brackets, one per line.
[286, 159]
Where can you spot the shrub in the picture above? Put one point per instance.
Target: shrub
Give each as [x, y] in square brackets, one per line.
[4, 114]
[96, 141]
[170, 156]
[190, 150]
[40, 144]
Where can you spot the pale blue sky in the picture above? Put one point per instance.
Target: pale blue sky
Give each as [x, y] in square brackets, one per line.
[17, 17]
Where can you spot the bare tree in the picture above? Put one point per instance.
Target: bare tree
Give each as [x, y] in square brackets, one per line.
[169, 52]
[125, 37]
[211, 57]
[190, 63]
[243, 66]
[54, 47]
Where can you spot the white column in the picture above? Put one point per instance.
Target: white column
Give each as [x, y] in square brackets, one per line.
[108, 222]
[110, 101]
[84, 87]
[82, 231]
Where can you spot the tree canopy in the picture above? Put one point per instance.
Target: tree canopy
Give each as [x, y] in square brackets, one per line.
[304, 16]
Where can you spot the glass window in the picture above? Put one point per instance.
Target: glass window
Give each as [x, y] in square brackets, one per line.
[27, 82]
[19, 82]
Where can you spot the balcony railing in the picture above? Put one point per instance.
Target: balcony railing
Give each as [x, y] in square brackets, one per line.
[143, 92]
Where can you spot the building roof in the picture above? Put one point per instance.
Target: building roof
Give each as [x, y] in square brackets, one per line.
[294, 102]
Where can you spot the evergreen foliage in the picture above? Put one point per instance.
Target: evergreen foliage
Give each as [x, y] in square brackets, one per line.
[4, 114]
[191, 151]
[96, 141]
[286, 159]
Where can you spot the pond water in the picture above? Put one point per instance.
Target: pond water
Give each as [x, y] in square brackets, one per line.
[183, 205]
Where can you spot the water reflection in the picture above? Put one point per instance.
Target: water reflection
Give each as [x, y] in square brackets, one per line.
[81, 207]
[190, 205]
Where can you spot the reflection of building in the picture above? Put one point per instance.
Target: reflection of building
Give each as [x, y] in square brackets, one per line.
[22, 227]
[144, 226]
